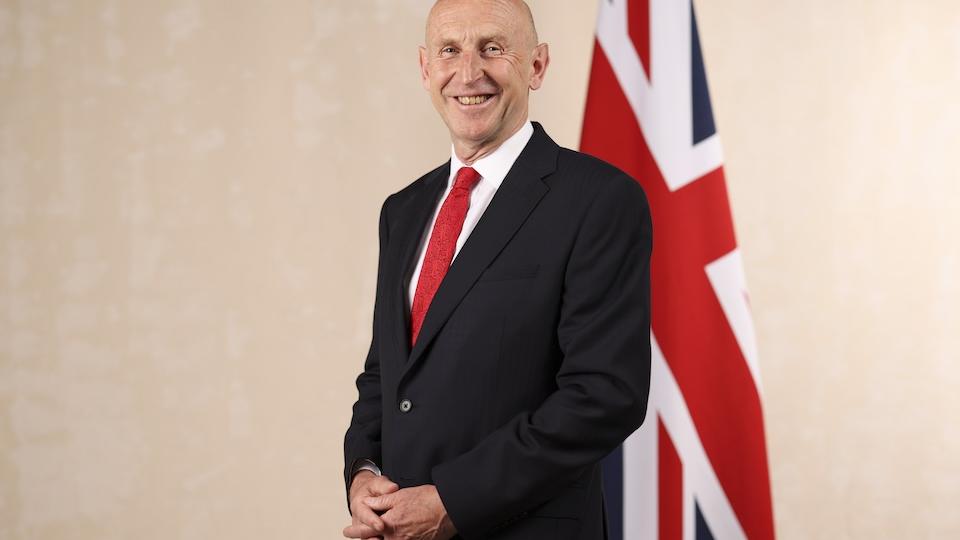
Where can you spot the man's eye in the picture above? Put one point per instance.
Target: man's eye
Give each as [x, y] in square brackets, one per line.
[493, 49]
[447, 50]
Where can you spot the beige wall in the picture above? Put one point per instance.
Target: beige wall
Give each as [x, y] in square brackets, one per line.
[188, 202]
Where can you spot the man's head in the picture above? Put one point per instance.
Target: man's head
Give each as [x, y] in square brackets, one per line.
[480, 61]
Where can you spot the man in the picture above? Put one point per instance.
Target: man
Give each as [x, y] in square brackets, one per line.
[495, 384]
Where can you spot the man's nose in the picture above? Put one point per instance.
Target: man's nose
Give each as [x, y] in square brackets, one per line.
[471, 67]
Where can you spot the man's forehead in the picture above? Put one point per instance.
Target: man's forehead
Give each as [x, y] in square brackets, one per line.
[475, 29]
[505, 19]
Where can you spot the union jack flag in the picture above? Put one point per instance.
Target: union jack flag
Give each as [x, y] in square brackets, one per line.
[697, 469]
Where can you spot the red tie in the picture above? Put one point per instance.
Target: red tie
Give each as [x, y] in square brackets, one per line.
[443, 242]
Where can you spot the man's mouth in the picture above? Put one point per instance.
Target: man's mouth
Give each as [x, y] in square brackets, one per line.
[474, 100]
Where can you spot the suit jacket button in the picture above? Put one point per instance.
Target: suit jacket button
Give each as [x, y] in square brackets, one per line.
[405, 405]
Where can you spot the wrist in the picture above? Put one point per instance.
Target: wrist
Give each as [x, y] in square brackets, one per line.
[446, 525]
[359, 480]
[359, 466]
[447, 528]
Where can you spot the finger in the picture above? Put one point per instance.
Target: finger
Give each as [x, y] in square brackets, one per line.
[368, 517]
[401, 531]
[359, 530]
[383, 502]
[382, 486]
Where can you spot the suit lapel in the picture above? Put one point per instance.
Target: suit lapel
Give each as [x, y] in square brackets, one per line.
[414, 217]
[517, 196]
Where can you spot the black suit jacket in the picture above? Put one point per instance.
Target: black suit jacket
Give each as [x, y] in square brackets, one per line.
[533, 361]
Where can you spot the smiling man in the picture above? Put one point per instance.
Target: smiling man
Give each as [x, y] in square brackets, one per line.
[511, 341]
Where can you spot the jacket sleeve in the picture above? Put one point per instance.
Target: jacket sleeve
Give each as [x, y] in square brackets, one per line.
[602, 384]
[362, 440]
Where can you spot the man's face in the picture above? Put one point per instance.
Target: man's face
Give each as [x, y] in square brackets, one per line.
[480, 61]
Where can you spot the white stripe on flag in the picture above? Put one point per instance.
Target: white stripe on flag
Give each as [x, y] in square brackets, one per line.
[640, 505]
[663, 106]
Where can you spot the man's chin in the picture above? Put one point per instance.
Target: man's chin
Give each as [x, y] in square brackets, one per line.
[473, 134]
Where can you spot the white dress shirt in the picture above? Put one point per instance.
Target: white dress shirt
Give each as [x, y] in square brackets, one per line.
[493, 168]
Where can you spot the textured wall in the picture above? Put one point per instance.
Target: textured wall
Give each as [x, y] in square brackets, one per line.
[188, 201]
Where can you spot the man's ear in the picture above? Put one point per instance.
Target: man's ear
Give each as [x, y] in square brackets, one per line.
[424, 69]
[541, 59]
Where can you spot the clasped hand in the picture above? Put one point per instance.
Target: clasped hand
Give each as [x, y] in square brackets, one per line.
[382, 510]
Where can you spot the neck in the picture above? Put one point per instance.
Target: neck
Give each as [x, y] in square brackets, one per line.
[469, 152]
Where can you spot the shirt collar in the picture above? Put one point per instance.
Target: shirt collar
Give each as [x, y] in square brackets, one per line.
[494, 167]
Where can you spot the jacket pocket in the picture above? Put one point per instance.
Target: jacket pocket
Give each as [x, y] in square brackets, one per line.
[537, 528]
[569, 503]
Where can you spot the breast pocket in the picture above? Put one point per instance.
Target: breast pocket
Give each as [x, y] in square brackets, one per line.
[503, 272]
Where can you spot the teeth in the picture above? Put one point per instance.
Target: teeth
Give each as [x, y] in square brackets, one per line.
[472, 100]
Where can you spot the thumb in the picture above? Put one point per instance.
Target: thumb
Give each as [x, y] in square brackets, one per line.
[383, 488]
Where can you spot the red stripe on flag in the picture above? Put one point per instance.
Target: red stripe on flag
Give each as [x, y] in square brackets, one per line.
[692, 227]
[670, 488]
[638, 26]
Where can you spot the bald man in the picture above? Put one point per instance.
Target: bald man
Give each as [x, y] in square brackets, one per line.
[510, 348]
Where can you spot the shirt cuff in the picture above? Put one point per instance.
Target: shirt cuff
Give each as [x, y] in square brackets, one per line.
[363, 465]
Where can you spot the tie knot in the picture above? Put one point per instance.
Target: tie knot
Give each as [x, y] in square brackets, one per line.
[467, 177]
